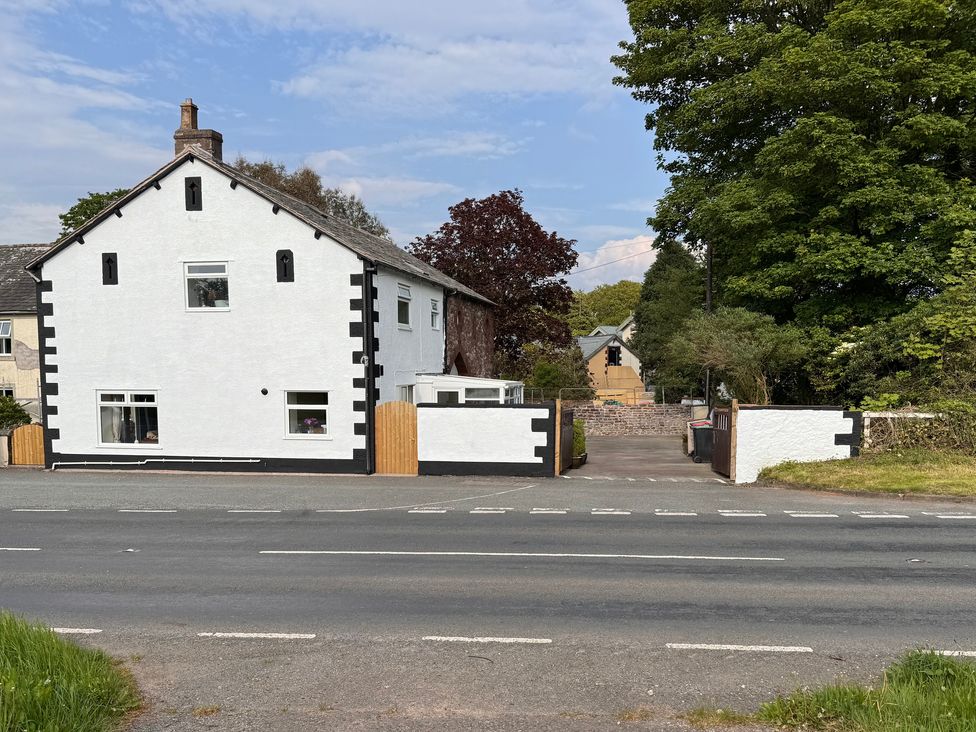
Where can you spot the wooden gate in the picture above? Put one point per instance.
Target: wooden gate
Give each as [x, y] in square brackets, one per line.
[723, 446]
[396, 438]
[27, 445]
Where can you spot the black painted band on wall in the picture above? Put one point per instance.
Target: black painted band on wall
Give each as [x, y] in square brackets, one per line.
[68, 461]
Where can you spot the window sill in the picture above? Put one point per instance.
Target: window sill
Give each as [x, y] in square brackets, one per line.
[130, 446]
[310, 438]
[401, 326]
[207, 310]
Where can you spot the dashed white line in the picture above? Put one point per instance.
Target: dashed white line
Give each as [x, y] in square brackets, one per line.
[675, 513]
[586, 477]
[719, 480]
[955, 516]
[77, 631]
[39, 510]
[270, 636]
[731, 647]
[740, 513]
[536, 555]
[609, 512]
[344, 510]
[810, 514]
[18, 549]
[147, 510]
[883, 515]
[485, 639]
[535, 511]
[254, 510]
[428, 510]
[490, 509]
[653, 480]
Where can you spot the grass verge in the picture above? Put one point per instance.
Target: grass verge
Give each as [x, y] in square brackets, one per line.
[902, 472]
[49, 684]
[923, 692]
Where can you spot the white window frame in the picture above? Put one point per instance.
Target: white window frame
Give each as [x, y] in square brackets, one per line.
[127, 402]
[186, 291]
[404, 295]
[498, 399]
[326, 433]
[8, 387]
[459, 392]
[435, 314]
[9, 338]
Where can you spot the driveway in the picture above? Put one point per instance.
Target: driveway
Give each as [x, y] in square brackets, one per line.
[639, 457]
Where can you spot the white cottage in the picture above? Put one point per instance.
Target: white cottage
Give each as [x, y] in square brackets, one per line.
[208, 321]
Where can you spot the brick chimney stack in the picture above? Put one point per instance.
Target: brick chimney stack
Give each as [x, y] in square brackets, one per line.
[188, 134]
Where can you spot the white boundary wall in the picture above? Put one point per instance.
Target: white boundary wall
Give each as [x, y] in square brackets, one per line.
[486, 440]
[767, 436]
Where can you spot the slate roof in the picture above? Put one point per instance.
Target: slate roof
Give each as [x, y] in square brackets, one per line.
[17, 293]
[369, 246]
[592, 344]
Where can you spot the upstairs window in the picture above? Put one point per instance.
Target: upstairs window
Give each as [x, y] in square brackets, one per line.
[613, 356]
[207, 285]
[6, 338]
[126, 417]
[403, 306]
[435, 314]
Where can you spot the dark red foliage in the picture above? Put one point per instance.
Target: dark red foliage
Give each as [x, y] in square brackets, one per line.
[496, 248]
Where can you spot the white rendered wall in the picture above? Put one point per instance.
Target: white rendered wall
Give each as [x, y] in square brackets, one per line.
[767, 437]
[478, 434]
[207, 367]
[405, 352]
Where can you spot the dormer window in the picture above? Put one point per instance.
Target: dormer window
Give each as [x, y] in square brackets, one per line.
[194, 193]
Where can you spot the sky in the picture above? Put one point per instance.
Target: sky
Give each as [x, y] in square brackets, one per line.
[413, 106]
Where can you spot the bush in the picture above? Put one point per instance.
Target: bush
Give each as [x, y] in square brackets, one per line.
[12, 414]
[952, 430]
[47, 683]
[579, 437]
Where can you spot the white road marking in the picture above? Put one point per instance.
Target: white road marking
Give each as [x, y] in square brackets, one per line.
[967, 654]
[566, 477]
[345, 510]
[696, 480]
[810, 514]
[147, 510]
[586, 477]
[631, 479]
[882, 515]
[673, 480]
[18, 549]
[719, 480]
[675, 513]
[546, 510]
[539, 555]
[427, 510]
[609, 512]
[40, 510]
[484, 639]
[739, 512]
[730, 647]
[490, 509]
[77, 631]
[956, 516]
[653, 480]
[271, 636]
[254, 510]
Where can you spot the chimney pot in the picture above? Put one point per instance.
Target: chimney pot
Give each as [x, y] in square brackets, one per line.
[188, 115]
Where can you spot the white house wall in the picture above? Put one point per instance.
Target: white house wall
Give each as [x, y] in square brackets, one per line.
[207, 367]
[504, 440]
[405, 352]
[770, 436]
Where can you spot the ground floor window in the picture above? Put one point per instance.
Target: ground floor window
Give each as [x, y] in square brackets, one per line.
[127, 417]
[447, 397]
[481, 395]
[307, 413]
[405, 394]
[7, 391]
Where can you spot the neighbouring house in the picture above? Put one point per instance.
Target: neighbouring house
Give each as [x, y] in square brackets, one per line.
[20, 373]
[625, 330]
[614, 368]
[208, 321]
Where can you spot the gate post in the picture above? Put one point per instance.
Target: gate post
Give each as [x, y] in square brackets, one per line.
[734, 437]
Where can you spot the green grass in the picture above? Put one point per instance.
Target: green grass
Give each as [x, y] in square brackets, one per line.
[48, 684]
[903, 472]
[923, 692]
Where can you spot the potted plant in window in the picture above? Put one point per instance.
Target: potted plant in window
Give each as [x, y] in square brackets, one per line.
[313, 426]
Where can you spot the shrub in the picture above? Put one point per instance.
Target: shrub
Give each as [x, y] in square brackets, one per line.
[12, 414]
[579, 437]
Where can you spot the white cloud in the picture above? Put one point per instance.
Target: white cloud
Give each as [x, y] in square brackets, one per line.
[392, 191]
[636, 205]
[615, 260]
[29, 223]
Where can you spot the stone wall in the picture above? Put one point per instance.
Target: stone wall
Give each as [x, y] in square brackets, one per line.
[639, 419]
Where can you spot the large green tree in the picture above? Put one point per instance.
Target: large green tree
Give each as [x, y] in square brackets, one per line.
[824, 150]
[674, 287]
[86, 208]
[306, 185]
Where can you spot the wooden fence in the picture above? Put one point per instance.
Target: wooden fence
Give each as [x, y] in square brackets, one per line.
[27, 445]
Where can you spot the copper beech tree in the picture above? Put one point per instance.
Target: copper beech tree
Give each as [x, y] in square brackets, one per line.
[494, 246]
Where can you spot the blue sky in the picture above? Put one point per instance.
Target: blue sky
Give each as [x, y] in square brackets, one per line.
[411, 105]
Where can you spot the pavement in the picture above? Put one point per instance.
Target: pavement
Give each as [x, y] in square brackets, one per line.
[308, 602]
